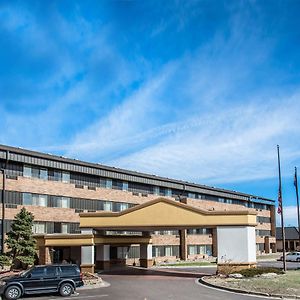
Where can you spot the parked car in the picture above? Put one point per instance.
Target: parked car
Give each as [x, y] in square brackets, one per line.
[62, 278]
[292, 256]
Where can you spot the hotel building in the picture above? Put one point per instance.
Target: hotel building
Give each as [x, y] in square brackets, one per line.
[57, 190]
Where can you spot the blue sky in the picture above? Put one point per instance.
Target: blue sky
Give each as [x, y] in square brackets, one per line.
[194, 90]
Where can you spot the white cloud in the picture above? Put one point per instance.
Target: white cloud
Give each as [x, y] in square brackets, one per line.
[126, 126]
[233, 145]
[290, 216]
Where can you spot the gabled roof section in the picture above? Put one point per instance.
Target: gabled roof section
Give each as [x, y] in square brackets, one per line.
[291, 233]
[164, 213]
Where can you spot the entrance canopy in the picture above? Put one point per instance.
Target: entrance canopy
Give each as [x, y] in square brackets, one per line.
[163, 213]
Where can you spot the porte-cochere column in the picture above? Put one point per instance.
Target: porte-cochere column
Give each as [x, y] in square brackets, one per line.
[146, 260]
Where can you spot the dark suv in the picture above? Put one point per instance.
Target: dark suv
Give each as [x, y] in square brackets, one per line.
[63, 278]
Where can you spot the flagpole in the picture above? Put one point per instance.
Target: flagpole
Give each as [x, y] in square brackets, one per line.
[298, 209]
[280, 210]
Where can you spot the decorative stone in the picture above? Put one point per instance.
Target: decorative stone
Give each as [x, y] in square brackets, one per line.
[269, 275]
[236, 275]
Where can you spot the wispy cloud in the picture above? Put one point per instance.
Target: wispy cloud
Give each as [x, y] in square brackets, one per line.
[201, 122]
[290, 216]
[190, 90]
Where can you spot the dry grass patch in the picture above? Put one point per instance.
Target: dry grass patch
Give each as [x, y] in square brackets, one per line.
[287, 284]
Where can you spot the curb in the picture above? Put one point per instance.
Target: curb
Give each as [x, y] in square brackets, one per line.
[183, 267]
[93, 286]
[202, 281]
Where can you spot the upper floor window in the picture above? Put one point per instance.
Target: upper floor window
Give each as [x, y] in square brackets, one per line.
[62, 202]
[156, 190]
[64, 228]
[66, 177]
[43, 174]
[39, 227]
[125, 186]
[35, 199]
[26, 171]
[168, 192]
[107, 206]
[123, 206]
[108, 184]
[191, 195]
[35, 172]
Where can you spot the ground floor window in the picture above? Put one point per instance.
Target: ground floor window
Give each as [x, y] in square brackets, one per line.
[200, 249]
[168, 250]
[260, 247]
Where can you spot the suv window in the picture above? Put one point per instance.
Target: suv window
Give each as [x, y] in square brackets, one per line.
[37, 272]
[50, 271]
[69, 270]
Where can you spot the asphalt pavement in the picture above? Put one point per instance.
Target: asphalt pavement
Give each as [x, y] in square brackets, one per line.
[154, 284]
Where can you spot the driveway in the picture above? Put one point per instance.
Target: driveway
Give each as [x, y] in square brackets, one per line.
[153, 284]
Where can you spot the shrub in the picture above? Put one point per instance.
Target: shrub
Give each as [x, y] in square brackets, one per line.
[4, 261]
[258, 271]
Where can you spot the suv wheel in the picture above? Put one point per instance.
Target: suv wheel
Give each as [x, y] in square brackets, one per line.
[66, 289]
[298, 259]
[13, 292]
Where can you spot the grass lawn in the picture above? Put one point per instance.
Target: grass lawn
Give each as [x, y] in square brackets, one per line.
[287, 284]
[269, 256]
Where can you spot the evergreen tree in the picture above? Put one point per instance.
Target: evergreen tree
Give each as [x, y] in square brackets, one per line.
[20, 241]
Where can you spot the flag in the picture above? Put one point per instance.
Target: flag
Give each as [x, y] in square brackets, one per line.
[295, 178]
[279, 209]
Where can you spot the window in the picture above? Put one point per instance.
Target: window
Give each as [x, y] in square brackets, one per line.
[191, 195]
[156, 190]
[199, 249]
[66, 177]
[168, 251]
[107, 206]
[50, 271]
[192, 250]
[263, 232]
[108, 183]
[57, 227]
[39, 227]
[57, 176]
[69, 270]
[134, 252]
[122, 252]
[27, 199]
[168, 192]
[123, 206]
[125, 186]
[199, 231]
[27, 171]
[64, 202]
[44, 174]
[64, 228]
[261, 219]
[35, 172]
[34, 199]
[37, 272]
[42, 200]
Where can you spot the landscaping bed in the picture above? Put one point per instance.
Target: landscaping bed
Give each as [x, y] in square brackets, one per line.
[91, 279]
[268, 282]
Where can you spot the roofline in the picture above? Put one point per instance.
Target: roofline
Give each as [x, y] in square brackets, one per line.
[167, 201]
[119, 170]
